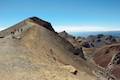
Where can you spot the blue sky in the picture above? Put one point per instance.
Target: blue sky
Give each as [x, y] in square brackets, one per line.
[69, 15]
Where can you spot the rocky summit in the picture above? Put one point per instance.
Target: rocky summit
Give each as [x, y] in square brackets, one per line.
[32, 50]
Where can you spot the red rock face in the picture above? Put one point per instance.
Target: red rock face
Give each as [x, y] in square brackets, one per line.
[116, 71]
[103, 57]
[109, 54]
[103, 61]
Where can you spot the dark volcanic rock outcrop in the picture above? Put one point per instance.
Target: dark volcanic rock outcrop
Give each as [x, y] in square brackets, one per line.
[42, 23]
[77, 49]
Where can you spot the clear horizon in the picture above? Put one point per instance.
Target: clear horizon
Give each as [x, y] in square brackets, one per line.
[68, 15]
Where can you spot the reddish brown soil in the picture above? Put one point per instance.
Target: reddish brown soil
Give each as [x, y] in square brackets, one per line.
[104, 55]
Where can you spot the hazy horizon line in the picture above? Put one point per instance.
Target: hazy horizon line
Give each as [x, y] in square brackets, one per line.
[72, 29]
[85, 29]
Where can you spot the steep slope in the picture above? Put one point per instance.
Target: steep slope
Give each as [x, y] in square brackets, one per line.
[24, 23]
[31, 50]
[71, 39]
[108, 57]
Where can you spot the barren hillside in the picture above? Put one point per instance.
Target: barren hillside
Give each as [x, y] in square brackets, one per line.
[32, 50]
[108, 57]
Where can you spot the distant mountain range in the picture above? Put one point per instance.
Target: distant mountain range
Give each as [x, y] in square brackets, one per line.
[85, 34]
[103, 48]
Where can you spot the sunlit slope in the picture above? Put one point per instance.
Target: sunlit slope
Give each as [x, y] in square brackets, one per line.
[38, 53]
